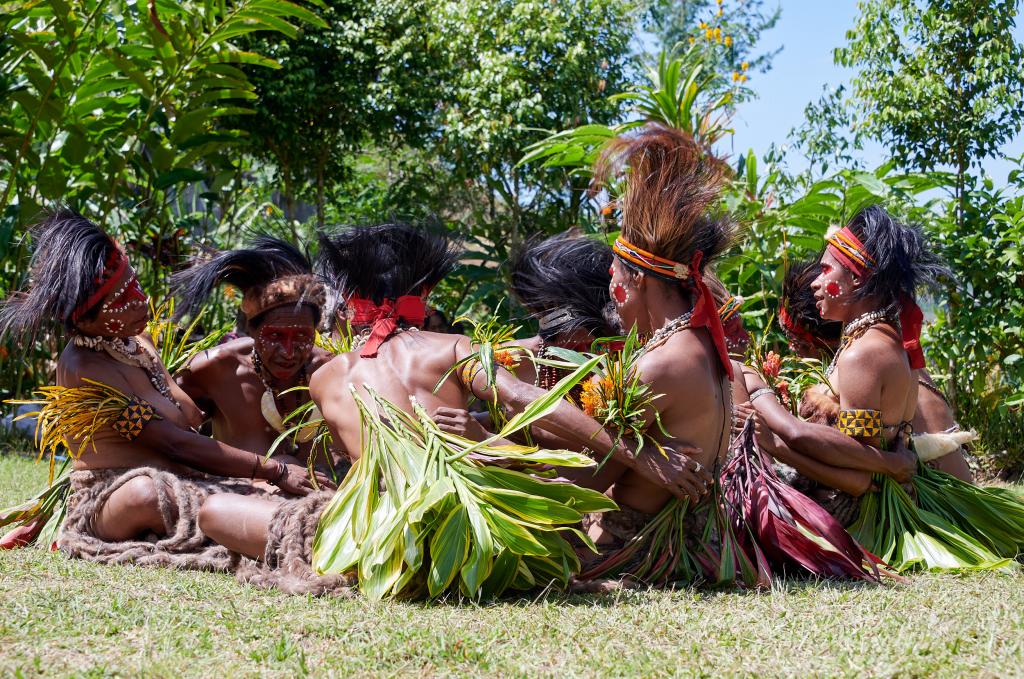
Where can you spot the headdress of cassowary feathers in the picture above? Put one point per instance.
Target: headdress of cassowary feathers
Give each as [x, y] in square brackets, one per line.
[900, 259]
[386, 261]
[563, 282]
[69, 257]
[798, 313]
[670, 203]
[271, 273]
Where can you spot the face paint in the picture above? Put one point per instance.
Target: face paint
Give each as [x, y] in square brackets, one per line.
[122, 313]
[284, 349]
[620, 294]
[833, 289]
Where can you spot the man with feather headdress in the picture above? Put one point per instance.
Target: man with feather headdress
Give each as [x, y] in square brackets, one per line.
[259, 378]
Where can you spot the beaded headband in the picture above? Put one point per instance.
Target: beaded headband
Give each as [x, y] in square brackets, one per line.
[848, 249]
[113, 268]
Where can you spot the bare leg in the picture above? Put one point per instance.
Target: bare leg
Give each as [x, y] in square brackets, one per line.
[238, 522]
[130, 511]
[954, 464]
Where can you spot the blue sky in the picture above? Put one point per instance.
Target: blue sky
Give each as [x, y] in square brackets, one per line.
[808, 31]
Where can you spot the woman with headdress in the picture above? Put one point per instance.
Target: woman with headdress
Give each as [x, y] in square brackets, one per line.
[139, 465]
[257, 378]
[937, 436]
[562, 281]
[671, 230]
[820, 461]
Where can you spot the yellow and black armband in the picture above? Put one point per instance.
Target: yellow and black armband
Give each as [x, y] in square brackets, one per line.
[860, 423]
[132, 420]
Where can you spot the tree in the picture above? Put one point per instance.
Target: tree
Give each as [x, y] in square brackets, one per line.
[367, 77]
[739, 27]
[939, 82]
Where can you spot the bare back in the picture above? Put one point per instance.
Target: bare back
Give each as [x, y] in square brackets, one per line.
[694, 408]
[408, 365]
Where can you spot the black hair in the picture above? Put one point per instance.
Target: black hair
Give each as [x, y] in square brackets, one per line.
[903, 262]
[800, 305]
[265, 260]
[68, 258]
[387, 261]
[569, 273]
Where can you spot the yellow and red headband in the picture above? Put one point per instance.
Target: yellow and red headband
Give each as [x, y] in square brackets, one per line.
[705, 312]
[848, 249]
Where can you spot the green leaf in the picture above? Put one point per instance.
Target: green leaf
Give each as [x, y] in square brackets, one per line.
[448, 550]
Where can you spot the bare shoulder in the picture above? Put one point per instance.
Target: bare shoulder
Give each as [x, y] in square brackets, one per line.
[223, 357]
[680, 359]
[326, 375]
[78, 364]
[876, 353]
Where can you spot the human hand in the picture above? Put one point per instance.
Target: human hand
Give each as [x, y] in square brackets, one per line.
[902, 463]
[680, 473]
[294, 479]
[459, 422]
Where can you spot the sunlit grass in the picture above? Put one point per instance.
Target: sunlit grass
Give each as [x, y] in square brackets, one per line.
[70, 617]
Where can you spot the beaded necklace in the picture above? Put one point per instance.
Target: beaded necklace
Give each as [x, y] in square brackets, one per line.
[856, 329]
[133, 353]
[662, 334]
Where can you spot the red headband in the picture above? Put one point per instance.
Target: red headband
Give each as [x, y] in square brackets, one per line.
[796, 329]
[848, 249]
[384, 318]
[112, 269]
[705, 312]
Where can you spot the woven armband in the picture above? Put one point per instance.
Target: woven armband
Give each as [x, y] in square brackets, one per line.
[468, 372]
[860, 423]
[131, 421]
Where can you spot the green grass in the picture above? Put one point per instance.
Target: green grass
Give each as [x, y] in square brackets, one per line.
[65, 617]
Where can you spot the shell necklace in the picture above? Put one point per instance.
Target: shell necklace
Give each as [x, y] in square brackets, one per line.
[662, 334]
[268, 402]
[133, 353]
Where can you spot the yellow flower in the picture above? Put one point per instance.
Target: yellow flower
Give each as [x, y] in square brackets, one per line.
[728, 40]
[735, 76]
[703, 25]
[719, 2]
[718, 31]
[744, 65]
[720, 11]
[709, 34]
[743, 78]
[692, 40]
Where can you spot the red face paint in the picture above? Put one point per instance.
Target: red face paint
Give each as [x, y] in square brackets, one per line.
[619, 293]
[833, 289]
[284, 349]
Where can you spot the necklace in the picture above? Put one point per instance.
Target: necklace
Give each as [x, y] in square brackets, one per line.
[130, 352]
[547, 375]
[662, 334]
[268, 402]
[856, 329]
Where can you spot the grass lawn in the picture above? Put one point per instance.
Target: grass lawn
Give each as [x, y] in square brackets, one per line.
[70, 617]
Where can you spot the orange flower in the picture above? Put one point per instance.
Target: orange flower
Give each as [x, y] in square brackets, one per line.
[771, 364]
[783, 388]
[507, 358]
[229, 291]
[593, 397]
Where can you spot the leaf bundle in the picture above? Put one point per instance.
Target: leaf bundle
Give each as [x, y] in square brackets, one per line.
[173, 342]
[909, 537]
[422, 512]
[786, 526]
[48, 505]
[72, 414]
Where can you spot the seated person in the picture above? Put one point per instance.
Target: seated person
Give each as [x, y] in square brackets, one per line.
[147, 472]
[258, 378]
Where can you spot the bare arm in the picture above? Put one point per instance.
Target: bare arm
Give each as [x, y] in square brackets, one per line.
[826, 445]
[850, 481]
[193, 379]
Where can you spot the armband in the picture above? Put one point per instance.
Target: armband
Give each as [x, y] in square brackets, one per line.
[860, 423]
[468, 372]
[130, 422]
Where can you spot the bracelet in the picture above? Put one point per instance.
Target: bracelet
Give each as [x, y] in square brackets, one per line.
[761, 392]
[255, 466]
[281, 474]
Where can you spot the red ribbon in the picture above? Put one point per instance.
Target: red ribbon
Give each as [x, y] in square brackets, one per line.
[384, 318]
[911, 319]
[112, 270]
[705, 313]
